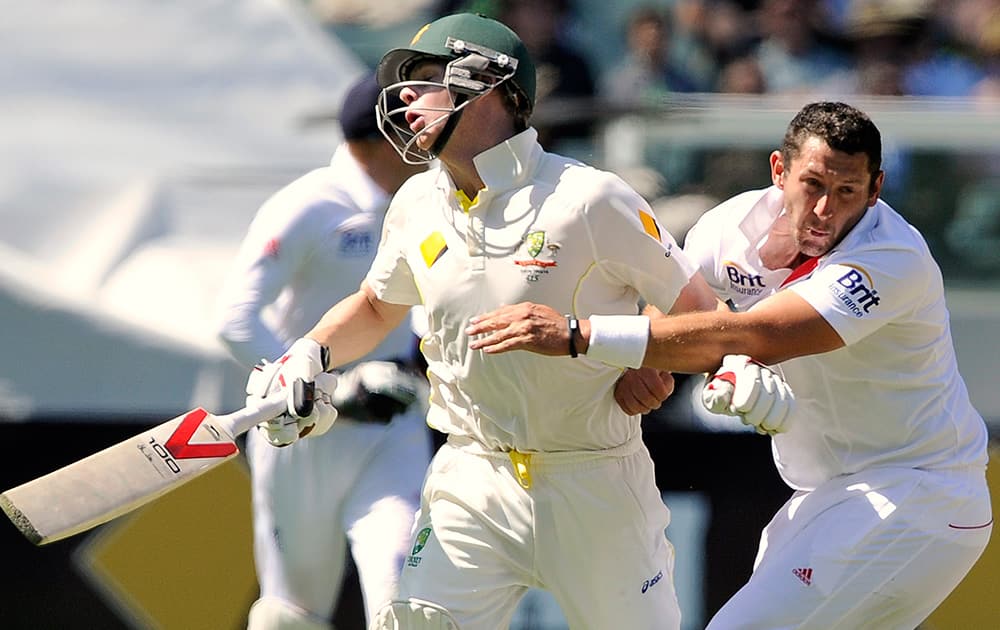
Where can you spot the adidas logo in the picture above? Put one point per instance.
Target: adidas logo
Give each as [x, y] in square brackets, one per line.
[805, 575]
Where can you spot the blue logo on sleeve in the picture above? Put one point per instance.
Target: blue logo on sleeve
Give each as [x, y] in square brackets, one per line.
[356, 243]
[857, 291]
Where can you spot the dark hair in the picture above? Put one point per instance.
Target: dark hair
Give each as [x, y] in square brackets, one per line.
[842, 127]
[516, 104]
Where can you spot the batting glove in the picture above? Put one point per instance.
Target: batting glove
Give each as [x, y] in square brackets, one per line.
[300, 375]
[757, 395]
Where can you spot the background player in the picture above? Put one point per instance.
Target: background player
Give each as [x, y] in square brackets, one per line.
[883, 449]
[310, 245]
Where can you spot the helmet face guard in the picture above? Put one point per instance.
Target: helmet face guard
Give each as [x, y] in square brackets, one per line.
[471, 73]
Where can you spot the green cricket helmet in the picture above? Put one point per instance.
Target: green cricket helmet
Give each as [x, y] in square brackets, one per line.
[479, 54]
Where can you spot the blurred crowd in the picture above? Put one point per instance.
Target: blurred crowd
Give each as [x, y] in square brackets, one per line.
[597, 60]
[875, 47]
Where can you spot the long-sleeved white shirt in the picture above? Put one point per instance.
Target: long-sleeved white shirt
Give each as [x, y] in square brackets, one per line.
[308, 247]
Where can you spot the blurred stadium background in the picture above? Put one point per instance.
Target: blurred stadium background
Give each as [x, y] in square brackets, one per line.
[139, 138]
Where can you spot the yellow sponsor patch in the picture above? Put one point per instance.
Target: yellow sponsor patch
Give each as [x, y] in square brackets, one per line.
[433, 248]
[649, 224]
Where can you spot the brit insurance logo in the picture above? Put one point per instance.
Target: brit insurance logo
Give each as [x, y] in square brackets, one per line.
[356, 243]
[743, 282]
[856, 291]
[418, 545]
[537, 257]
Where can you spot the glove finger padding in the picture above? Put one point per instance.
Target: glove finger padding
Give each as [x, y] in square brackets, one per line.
[759, 396]
[771, 403]
[261, 381]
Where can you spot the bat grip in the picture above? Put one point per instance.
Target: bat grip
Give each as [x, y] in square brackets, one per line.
[303, 397]
[241, 421]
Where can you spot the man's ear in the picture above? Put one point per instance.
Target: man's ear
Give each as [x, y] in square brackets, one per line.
[876, 188]
[777, 169]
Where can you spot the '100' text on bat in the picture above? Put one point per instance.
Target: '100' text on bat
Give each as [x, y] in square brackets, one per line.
[122, 477]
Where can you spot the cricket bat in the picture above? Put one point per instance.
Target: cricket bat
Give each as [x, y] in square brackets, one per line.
[127, 475]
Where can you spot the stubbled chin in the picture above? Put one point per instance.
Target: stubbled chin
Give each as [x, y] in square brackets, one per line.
[813, 246]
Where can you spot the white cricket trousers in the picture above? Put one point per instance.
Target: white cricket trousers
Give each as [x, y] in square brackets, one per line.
[357, 484]
[589, 529]
[878, 550]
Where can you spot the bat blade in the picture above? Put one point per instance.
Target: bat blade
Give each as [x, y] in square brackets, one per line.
[127, 475]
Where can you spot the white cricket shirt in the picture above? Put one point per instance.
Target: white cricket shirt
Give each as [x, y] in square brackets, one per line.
[545, 229]
[893, 395]
[308, 247]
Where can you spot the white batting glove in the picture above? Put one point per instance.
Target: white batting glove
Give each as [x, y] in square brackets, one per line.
[756, 394]
[309, 410]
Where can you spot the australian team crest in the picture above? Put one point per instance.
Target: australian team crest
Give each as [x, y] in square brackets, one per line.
[540, 257]
[535, 241]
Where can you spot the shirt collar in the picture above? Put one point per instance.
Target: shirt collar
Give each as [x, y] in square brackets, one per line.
[758, 221]
[507, 164]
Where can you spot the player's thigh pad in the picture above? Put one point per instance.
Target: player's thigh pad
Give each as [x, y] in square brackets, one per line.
[271, 613]
[412, 614]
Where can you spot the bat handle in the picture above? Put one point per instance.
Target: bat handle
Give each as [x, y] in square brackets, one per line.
[241, 421]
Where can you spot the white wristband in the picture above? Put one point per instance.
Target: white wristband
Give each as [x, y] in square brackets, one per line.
[618, 340]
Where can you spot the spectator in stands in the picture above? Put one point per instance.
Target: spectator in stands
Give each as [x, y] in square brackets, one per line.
[647, 75]
[742, 76]
[792, 50]
[936, 64]
[988, 88]
[707, 35]
[690, 47]
[566, 85]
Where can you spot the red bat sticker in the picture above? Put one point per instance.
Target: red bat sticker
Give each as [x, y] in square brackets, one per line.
[180, 446]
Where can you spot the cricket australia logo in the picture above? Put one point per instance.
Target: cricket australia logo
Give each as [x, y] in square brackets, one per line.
[856, 290]
[534, 241]
[539, 256]
[414, 559]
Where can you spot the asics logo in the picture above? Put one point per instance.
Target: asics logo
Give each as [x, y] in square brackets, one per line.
[648, 584]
